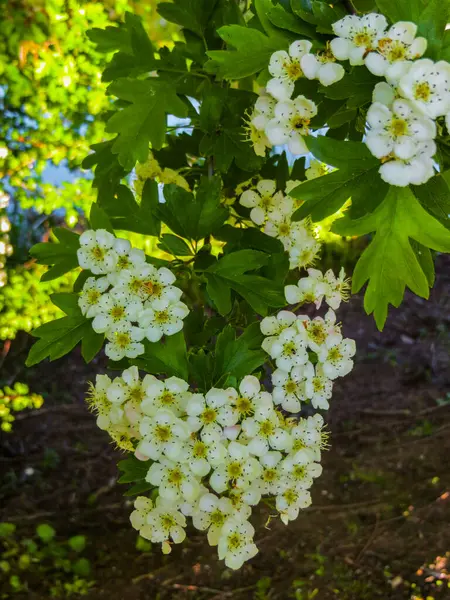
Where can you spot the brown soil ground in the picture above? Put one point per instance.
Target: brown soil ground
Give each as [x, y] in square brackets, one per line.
[380, 514]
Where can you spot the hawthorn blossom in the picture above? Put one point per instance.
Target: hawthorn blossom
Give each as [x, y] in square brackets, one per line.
[96, 252]
[427, 85]
[289, 387]
[91, 296]
[171, 394]
[322, 66]
[289, 349]
[211, 413]
[211, 514]
[163, 321]
[235, 544]
[264, 200]
[162, 434]
[335, 359]
[114, 309]
[291, 123]
[357, 36]
[285, 69]
[124, 341]
[417, 170]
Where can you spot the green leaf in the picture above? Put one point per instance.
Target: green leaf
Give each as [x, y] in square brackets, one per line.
[62, 256]
[401, 10]
[81, 567]
[45, 532]
[77, 543]
[390, 263]
[67, 302]
[138, 488]
[194, 216]
[132, 469]
[7, 529]
[57, 338]
[98, 219]
[357, 178]
[434, 196]
[144, 121]
[135, 51]
[432, 23]
[238, 357]
[168, 356]
[251, 238]
[285, 20]
[355, 87]
[327, 14]
[252, 52]
[174, 245]
[189, 14]
[230, 272]
[126, 214]
[91, 344]
[201, 368]
[264, 9]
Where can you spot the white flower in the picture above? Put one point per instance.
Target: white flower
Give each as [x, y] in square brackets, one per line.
[127, 387]
[163, 321]
[308, 289]
[264, 431]
[290, 501]
[285, 69]
[319, 388]
[175, 481]
[398, 130]
[263, 112]
[165, 524]
[236, 544]
[128, 258]
[290, 124]
[319, 330]
[300, 472]
[335, 359]
[383, 93]
[427, 85]
[244, 499]
[308, 439]
[200, 456]
[171, 394]
[274, 325]
[91, 295]
[96, 251]
[337, 288]
[124, 340]
[279, 225]
[289, 349]
[211, 413]
[239, 469]
[417, 170]
[163, 434]
[303, 253]
[113, 310]
[357, 36]
[255, 136]
[150, 285]
[142, 506]
[271, 474]
[289, 387]
[265, 200]
[211, 514]
[322, 66]
[316, 169]
[399, 44]
[250, 397]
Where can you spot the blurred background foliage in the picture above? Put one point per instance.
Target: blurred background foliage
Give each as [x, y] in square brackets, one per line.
[52, 108]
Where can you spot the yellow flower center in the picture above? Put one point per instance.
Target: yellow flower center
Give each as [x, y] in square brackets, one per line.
[123, 262]
[399, 127]
[334, 354]
[199, 449]
[317, 384]
[284, 229]
[168, 521]
[289, 349]
[217, 518]
[266, 428]
[299, 471]
[290, 387]
[234, 470]
[167, 398]
[162, 316]
[209, 415]
[300, 123]
[244, 406]
[234, 541]
[298, 445]
[269, 475]
[317, 333]
[98, 253]
[123, 339]
[117, 312]
[162, 433]
[175, 476]
[93, 296]
[293, 70]
[362, 39]
[290, 496]
[422, 91]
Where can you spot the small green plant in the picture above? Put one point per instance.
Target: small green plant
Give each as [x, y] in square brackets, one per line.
[58, 565]
[15, 399]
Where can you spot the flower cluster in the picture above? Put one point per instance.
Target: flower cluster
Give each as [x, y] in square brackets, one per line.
[401, 120]
[129, 299]
[151, 169]
[272, 210]
[211, 457]
[278, 117]
[308, 353]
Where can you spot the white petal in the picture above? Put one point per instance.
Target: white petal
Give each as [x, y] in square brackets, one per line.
[299, 48]
[296, 144]
[379, 145]
[330, 73]
[383, 93]
[340, 48]
[281, 89]
[376, 63]
[405, 147]
[250, 199]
